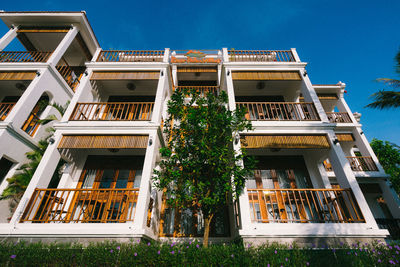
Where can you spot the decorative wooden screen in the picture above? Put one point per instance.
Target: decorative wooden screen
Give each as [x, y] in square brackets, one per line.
[266, 75]
[285, 141]
[125, 75]
[345, 137]
[194, 69]
[17, 75]
[103, 141]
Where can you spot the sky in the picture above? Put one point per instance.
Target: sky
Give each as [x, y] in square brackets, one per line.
[350, 41]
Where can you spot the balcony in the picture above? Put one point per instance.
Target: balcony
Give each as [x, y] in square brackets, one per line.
[131, 56]
[338, 117]
[113, 111]
[70, 76]
[392, 225]
[31, 124]
[5, 109]
[261, 56]
[24, 56]
[202, 90]
[279, 111]
[362, 164]
[81, 206]
[304, 206]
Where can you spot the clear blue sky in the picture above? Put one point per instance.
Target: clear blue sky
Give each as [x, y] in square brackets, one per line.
[350, 41]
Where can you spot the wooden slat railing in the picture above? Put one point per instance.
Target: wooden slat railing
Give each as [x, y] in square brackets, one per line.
[24, 56]
[31, 124]
[304, 206]
[112, 111]
[131, 56]
[81, 206]
[280, 111]
[70, 77]
[338, 117]
[5, 108]
[261, 55]
[202, 90]
[362, 164]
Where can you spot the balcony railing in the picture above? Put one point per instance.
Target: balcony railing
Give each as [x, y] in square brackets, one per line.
[362, 164]
[338, 117]
[24, 56]
[392, 225]
[304, 206]
[112, 111]
[81, 206]
[70, 77]
[131, 56]
[31, 124]
[279, 111]
[261, 55]
[5, 108]
[202, 90]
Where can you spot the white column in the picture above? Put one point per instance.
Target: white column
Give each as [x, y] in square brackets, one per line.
[8, 37]
[295, 55]
[225, 55]
[166, 55]
[391, 198]
[346, 179]
[310, 95]
[42, 176]
[63, 46]
[143, 200]
[162, 84]
[230, 89]
[96, 55]
[175, 75]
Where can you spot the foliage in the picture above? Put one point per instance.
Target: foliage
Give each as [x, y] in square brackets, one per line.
[200, 169]
[193, 254]
[388, 99]
[389, 156]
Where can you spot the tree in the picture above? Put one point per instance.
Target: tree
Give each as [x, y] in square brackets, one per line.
[389, 156]
[388, 99]
[199, 168]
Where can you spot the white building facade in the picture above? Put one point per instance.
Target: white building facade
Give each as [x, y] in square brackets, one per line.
[317, 178]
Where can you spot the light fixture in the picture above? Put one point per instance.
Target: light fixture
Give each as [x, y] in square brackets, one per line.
[113, 150]
[197, 74]
[38, 73]
[362, 133]
[335, 141]
[86, 73]
[305, 73]
[131, 86]
[237, 138]
[162, 73]
[260, 85]
[51, 140]
[20, 86]
[229, 72]
[150, 141]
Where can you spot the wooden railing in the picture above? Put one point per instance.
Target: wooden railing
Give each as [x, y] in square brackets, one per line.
[280, 111]
[81, 205]
[5, 108]
[202, 90]
[111, 111]
[338, 117]
[131, 56]
[24, 56]
[362, 164]
[261, 55]
[70, 77]
[304, 206]
[31, 124]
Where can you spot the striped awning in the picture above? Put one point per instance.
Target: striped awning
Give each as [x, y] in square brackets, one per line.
[195, 69]
[125, 75]
[285, 141]
[104, 141]
[345, 137]
[266, 75]
[17, 75]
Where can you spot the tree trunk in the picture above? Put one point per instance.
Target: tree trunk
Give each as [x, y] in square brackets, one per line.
[207, 222]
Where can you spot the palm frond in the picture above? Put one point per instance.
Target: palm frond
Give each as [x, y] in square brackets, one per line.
[397, 58]
[385, 99]
[390, 82]
[48, 119]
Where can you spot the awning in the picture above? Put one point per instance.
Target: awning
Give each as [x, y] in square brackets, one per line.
[285, 141]
[104, 141]
[345, 137]
[266, 75]
[194, 69]
[125, 75]
[17, 75]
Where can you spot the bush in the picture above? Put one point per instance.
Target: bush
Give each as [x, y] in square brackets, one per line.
[193, 254]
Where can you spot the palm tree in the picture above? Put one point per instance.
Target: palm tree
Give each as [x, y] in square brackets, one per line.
[388, 99]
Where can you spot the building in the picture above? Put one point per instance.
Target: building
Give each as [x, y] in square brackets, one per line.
[318, 179]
